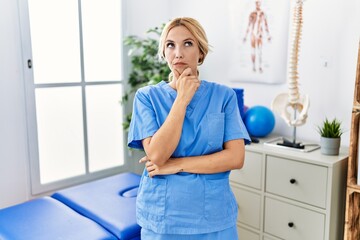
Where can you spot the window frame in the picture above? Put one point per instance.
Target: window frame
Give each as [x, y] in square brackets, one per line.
[32, 135]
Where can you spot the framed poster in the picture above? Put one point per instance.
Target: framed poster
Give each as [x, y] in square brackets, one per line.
[259, 32]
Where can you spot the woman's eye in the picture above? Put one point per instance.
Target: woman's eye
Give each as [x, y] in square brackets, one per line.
[169, 45]
[188, 44]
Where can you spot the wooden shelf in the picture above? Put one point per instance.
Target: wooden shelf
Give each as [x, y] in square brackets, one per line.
[352, 184]
[353, 150]
[352, 214]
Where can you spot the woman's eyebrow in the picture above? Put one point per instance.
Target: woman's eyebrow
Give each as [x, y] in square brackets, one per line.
[188, 39]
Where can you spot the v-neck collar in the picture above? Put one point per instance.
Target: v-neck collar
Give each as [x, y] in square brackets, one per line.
[197, 96]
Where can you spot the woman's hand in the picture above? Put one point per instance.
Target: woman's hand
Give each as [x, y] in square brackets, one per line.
[170, 167]
[187, 84]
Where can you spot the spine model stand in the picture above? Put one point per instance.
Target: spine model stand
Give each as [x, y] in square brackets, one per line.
[291, 106]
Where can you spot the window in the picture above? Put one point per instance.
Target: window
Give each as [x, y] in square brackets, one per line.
[73, 90]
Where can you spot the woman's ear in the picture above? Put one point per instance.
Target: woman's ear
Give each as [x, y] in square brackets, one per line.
[201, 58]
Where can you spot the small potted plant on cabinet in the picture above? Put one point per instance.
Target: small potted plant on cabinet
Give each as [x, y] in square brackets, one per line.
[330, 132]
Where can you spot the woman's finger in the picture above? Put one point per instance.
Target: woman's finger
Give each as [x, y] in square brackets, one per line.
[186, 72]
[176, 73]
[150, 169]
[144, 159]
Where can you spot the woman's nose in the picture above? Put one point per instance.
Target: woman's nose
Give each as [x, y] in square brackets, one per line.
[178, 53]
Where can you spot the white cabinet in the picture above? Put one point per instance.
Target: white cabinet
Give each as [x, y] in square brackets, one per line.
[297, 180]
[249, 207]
[285, 194]
[289, 221]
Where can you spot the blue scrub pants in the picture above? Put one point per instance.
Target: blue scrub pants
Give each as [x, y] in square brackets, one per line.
[227, 234]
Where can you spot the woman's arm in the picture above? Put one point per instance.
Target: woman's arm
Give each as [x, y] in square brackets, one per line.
[232, 157]
[163, 143]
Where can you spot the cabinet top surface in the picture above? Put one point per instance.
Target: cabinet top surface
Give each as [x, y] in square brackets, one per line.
[311, 157]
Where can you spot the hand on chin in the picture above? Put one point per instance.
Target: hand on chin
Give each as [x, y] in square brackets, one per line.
[179, 68]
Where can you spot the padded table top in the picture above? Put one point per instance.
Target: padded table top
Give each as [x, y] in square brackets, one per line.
[110, 202]
[46, 218]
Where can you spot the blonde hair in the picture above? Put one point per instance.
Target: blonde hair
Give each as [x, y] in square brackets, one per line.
[194, 28]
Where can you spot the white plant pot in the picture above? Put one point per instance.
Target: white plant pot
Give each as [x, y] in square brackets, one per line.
[330, 146]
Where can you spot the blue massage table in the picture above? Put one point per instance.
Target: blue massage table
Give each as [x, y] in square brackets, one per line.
[100, 210]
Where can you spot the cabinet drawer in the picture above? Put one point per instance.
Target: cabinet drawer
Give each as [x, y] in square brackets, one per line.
[250, 174]
[249, 204]
[287, 221]
[295, 180]
[246, 234]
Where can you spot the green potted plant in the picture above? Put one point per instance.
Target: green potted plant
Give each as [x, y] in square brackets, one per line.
[330, 136]
[147, 68]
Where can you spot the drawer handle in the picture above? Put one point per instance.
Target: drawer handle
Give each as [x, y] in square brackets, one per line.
[291, 224]
[292, 181]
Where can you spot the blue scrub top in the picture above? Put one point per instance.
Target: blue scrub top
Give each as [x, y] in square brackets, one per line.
[187, 203]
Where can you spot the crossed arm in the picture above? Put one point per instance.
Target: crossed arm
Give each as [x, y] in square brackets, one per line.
[231, 157]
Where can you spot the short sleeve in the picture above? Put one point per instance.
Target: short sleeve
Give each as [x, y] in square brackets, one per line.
[143, 120]
[234, 126]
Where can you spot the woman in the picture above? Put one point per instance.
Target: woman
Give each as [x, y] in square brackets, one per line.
[193, 136]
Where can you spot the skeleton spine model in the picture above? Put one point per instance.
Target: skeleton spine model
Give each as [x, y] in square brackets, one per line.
[293, 101]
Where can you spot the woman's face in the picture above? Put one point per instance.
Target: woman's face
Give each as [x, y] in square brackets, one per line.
[181, 50]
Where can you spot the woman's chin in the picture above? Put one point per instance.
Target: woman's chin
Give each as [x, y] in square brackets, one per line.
[179, 68]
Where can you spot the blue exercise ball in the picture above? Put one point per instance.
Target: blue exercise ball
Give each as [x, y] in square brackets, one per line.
[259, 121]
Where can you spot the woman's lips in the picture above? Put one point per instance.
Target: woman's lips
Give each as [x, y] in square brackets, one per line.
[179, 64]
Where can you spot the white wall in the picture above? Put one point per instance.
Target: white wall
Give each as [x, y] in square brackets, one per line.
[14, 174]
[331, 30]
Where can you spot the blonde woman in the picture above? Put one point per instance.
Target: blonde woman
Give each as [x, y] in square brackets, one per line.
[193, 136]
